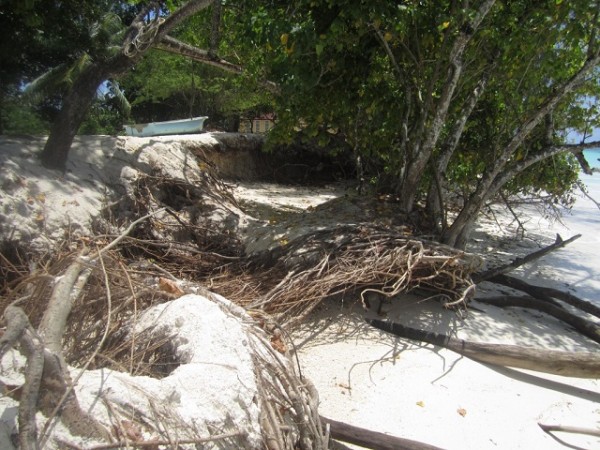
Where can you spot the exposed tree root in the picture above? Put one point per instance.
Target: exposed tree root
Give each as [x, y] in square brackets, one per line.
[292, 400]
[293, 278]
[583, 326]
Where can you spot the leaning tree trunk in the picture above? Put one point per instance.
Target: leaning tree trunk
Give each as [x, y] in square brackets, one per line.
[457, 235]
[420, 156]
[501, 171]
[140, 37]
[69, 119]
[435, 201]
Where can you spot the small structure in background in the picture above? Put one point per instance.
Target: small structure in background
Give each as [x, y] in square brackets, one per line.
[258, 124]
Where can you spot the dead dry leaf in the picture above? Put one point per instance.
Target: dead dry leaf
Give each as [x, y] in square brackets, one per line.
[278, 344]
[169, 286]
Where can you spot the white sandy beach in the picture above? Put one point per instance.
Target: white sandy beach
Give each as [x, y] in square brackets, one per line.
[374, 380]
[418, 391]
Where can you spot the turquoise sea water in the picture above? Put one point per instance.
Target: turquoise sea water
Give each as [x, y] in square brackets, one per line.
[593, 156]
[592, 181]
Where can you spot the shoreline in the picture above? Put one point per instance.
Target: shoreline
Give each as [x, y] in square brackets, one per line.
[377, 381]
[418, 391]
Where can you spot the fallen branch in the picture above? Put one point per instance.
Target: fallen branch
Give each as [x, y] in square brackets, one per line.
[371, 439]
[49, 425]
[153, 444]
[546, 293]
[48, 386]
[583, 326]
[53, 324]
[518, 262]
[569, 429]
[19, 329]
[568, 364]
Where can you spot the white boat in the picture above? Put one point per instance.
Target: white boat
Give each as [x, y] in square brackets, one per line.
[183, 126]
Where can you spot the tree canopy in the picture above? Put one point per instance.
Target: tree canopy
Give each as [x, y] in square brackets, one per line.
[445, 103]
[436, 95]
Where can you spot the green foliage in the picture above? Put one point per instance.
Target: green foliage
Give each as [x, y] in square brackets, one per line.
[102, 118]
[335, 72]
[372, 74]
[163, 86]
[46, 46]
[19, 118]
[555, 178]
[38, 35]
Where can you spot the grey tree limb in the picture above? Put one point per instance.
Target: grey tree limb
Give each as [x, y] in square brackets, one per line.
[518, 262]
[19, 330]
[568, 364]
[544, 293]
[372, 439]
[54, 321]
[583, 326]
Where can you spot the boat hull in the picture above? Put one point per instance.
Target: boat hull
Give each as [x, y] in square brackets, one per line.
[184, 126]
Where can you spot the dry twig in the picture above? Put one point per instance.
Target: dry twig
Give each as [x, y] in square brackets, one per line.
[330, 262]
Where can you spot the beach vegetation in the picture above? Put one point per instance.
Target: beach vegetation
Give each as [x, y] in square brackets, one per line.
[439, 100]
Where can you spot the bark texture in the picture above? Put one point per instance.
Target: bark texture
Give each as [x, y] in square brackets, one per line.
[371, 439]
[568, 364]
[139, 38]
[501, 171]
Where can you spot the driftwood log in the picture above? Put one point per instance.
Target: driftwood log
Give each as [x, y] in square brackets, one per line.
[583, 326]
[371, 439]
[518, 262]
[546, 293]
[545, 299]
[569, 364]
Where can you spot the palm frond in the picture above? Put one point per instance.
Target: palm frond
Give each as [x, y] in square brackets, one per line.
[115, 90]
[46, 83]
[106, 36]
[57, 79]
[109, 26]
[75, 69]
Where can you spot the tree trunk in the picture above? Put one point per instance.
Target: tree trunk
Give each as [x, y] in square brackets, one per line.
[419, 157]
[2, 106]
[500, 172]
[435, 206]
[75, 106]
[568, 364]
[139, 38]
[457, 235]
